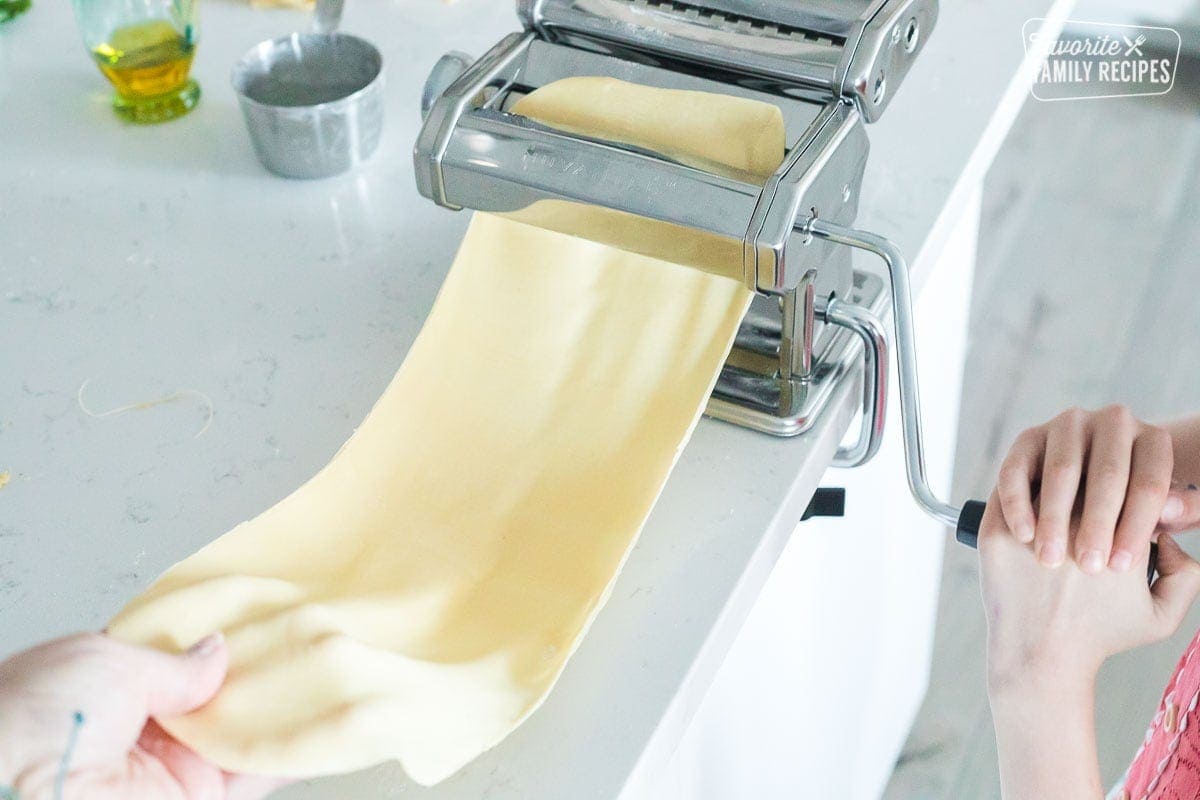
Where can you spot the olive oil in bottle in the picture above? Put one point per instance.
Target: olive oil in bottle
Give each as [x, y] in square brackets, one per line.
[148, 64]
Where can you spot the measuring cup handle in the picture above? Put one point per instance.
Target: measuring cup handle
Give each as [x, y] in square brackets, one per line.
[971, 518]
[328, 16]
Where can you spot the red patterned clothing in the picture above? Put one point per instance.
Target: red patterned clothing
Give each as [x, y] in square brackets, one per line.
[1167, 765]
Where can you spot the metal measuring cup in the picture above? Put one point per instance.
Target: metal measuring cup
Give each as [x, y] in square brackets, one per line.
[313, 102]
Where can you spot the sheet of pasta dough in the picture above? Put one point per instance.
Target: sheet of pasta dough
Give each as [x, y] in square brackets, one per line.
[417, 598]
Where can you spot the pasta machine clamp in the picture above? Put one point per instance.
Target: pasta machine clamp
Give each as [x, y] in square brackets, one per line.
[830, 66]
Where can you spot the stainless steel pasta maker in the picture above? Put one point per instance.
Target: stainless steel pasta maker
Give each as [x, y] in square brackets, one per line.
[830, 66]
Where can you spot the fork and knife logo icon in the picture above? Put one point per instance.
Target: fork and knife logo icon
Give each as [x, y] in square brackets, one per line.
[1132, 47]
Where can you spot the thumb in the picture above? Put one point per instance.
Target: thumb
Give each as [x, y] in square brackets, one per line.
[1177, 585]
[1181, 512]
[177, 684]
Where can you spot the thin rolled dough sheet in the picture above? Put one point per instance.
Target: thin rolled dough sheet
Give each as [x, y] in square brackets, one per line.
[418, 598]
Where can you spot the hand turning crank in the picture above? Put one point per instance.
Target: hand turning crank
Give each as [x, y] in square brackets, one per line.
[967, 519]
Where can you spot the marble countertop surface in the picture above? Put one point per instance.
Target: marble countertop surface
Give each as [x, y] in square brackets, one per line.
[161, 263]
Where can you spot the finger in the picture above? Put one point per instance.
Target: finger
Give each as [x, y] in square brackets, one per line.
[177, 684]
[1177, 585]
[1108, 464]
[1015, 485]
[198, 779]
[1066, 448]
[1149, 480]
[141, 775]
[1181, 511]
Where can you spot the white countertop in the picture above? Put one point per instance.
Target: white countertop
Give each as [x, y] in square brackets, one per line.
[149, 261]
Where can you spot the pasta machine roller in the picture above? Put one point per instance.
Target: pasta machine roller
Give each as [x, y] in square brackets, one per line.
[830, 66]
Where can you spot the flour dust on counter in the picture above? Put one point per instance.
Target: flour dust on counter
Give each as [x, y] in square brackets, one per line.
[418, 598]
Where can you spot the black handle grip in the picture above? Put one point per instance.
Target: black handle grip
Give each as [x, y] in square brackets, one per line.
[971, 517]
[969, 520]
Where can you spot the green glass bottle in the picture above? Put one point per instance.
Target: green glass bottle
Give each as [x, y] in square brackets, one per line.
[12, 8]
[145, 49]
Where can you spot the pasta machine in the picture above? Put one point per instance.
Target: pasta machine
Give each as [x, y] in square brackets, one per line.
[830, 66]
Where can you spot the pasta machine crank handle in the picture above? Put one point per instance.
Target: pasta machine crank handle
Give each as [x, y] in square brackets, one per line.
[967, 519]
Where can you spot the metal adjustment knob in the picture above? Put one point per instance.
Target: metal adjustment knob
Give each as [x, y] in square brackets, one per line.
[445, 72]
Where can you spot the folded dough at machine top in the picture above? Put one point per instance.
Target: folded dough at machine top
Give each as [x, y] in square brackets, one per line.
[417, 599]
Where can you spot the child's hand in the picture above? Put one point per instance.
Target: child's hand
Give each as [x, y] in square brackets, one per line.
[79, 709]
[1123, 467]
[1053, 628]
[1048, 632]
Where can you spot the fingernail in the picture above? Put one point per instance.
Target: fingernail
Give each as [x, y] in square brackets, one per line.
[1173, 509]
[1121, 560]
[1052, 554]
[206, 646]
[1091, 561]
[1024, 534]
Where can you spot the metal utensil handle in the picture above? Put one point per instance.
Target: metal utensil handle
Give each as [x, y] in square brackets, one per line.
[867, 327]
[972, 517]
[328, 16]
